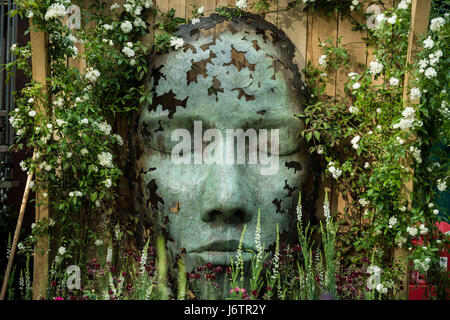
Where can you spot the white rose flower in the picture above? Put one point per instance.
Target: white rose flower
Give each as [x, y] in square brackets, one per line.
[176, 42]
[56, 10]
[138, 22]
[399, 140]
[379, 20]
[363, 202]
[128, 52]
[392, 19]
[415, 94]
[32, 113]
[60, 122]
[355, 140]
[92, 74]
[105, 159]
[428, 43]
[430, 73]
[128, 7]
[403, 5]
[412, 231]
[394, 81]
[319, 149]
[104, 127]
[107, 183]
[61, 251]
[353, 109]
[423, 229]
[138, 10]
[241, 4]
[148, 4]
[119, 139]
[323, 60]
[376, 67]
[392, 221]
[437, 23]
[59, 102]
[441, 185]
[356, 86]
[126, 26]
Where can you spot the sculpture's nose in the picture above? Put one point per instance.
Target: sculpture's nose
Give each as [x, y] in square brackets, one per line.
[225, 196]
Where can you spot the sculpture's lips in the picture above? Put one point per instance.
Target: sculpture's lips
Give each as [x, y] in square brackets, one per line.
[220, 246]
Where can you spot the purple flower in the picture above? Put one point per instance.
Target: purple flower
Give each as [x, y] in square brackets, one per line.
[326, 296]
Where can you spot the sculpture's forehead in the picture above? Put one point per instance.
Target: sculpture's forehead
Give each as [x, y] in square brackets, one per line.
[235, 75]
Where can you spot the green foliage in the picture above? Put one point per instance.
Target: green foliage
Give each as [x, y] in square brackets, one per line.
[368, 137]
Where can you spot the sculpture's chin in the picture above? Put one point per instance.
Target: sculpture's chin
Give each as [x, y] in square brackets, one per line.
[219, 258]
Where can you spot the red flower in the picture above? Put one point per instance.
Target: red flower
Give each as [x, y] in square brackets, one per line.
[255, 293]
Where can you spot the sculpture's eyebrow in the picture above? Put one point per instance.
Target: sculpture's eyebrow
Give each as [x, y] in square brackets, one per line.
[276, 120]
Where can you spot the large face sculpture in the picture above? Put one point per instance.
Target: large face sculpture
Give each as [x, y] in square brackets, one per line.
[220, 140]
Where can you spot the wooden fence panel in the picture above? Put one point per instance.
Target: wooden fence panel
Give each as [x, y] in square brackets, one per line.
[294, 23]
[321, 27]
[179, 6]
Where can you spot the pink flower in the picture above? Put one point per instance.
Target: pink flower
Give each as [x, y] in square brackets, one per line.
[232, 290]
[243, 290]
[58, 298]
